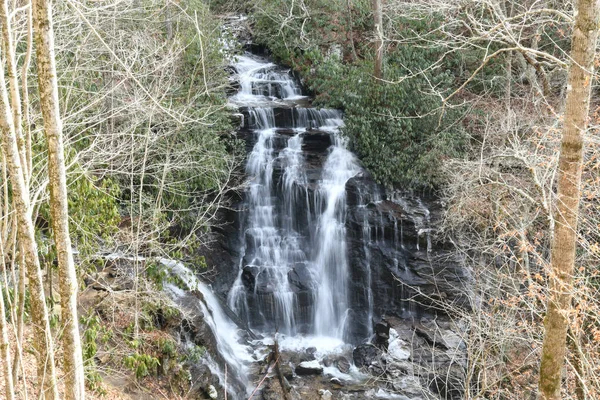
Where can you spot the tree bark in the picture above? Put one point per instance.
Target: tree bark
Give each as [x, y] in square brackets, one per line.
[25, 94]
[48, 87]
[566, 211]
[9, 389]
[26, 234]
[378, 18]
[15, 98]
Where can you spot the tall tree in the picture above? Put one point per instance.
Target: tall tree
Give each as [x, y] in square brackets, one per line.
[378, 17]
[26, 235]
[566, 211]
[48, 87]
[9, 390]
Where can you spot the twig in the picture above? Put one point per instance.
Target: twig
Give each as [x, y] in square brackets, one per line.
[263, 379]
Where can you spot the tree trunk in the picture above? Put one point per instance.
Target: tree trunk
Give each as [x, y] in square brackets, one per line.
[566, 210]
[15, 98]
[378, 17]
[26, 234]
[48, 87]
[25, 94]
[9, 389]
[350, 32]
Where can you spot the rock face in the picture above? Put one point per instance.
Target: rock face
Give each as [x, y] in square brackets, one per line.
[271, 265]
[391, 245]
[365, 355]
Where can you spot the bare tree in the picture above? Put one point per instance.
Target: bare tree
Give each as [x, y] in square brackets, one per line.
[564, 242]
[43, 336]
[9, 389]
[48, 89]
[378, 20]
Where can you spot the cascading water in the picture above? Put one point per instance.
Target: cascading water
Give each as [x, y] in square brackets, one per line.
[332, 260]
[294, 230]
[226, 333]
[324, 255]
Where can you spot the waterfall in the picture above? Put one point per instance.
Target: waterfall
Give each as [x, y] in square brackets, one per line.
[237, 355]
[294, 230]
[332, 261]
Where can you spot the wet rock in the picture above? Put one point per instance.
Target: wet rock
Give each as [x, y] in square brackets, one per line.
[382, 334]
[300, 278]
[309, 354]
[398, 349]
[448, 381]
[327, 361]
[452, 340]
[429, 331]
[397, 369]
[365, 355]
[309, 368]
[343, 365]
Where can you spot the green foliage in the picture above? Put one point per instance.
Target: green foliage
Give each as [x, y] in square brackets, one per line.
[194, 353]
[93, 328]
[400, 131]
[396, 129]
[157, 273]
[141, 364]
[93, 211]
[291, 31]
[167, 347]
[93, 215]
[54, 319]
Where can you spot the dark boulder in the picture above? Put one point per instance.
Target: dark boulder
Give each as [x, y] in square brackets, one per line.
[343, 364]
[365, 355]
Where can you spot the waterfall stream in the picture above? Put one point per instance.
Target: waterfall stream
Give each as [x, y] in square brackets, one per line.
[291, 228]
[317, 253]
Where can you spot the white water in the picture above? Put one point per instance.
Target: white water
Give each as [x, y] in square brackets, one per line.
[260, 81]
[279, 208]
[331, 262]
[238, 356]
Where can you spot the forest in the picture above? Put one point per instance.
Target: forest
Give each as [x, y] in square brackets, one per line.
[299, 199]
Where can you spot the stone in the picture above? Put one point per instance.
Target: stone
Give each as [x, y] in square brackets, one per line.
[448, 381]
[336, 382]
[309, 368]
[452, 340]
[382, 330]
[309, 354]
[287, 371]
[272, 391]
[429, 331]
[212, 392]
[365, 355]
[408, 385]
[397, 348]
[343, 365]
[397, 369]
[325, 394]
